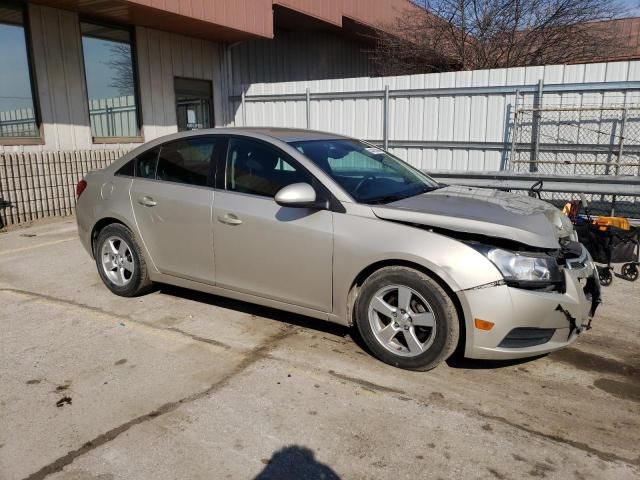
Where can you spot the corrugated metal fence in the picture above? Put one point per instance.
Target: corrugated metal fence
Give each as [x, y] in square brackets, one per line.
[37, 185]
[453, 121]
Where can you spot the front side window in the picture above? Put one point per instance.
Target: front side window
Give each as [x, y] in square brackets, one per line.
[257, 169]
[367, 173]
[17, 107]
[186, 161]
[110, 75]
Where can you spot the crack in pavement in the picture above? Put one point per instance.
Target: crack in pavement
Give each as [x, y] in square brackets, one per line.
[119, 317]
[606, 456]
[365, 384]
[251, 357]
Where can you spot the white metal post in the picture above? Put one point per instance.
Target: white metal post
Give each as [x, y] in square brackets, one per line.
[385, 120]
[244, 111]
[308, 99]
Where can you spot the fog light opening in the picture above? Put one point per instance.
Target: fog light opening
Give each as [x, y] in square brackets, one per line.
[483, 324]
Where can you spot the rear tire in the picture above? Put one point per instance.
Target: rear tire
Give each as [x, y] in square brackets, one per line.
[407, 319]
[120, 262]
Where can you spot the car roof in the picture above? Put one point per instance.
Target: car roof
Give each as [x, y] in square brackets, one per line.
[284, 134]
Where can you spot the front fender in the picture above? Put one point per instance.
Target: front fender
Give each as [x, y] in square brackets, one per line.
[360, 242]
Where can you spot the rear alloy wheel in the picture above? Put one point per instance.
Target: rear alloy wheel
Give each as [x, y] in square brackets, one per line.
[117, 261]
[120, 262]
[406, 318]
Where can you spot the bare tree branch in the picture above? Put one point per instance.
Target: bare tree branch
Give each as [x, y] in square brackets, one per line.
[121, 63]
[476, 34]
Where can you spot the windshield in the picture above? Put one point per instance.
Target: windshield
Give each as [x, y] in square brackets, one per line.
[367, 173]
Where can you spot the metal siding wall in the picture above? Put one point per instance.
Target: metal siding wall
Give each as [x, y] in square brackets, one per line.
[295, 56]
[457, 118]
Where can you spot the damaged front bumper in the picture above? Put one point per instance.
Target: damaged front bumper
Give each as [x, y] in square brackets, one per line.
[530, 322]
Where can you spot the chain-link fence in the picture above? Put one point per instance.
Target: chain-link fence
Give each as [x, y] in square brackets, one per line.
[579, 141]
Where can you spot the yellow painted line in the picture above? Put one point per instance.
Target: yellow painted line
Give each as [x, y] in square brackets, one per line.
[31, 247]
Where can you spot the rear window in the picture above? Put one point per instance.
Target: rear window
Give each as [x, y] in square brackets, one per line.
[146, 164]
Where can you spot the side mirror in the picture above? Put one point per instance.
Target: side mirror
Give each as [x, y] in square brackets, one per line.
[298, 195]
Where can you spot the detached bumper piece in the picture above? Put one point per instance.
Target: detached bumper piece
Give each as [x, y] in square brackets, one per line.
[527, 337]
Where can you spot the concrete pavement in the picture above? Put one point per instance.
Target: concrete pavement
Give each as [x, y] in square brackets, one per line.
[178, 384]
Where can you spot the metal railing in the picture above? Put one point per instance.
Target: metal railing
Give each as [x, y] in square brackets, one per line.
[602, 191]
[108, 117]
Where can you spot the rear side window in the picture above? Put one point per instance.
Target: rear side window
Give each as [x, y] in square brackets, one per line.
[146, 164]
[186, 161]
[128, 169]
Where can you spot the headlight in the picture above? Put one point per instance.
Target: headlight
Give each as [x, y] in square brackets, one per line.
[524, 269]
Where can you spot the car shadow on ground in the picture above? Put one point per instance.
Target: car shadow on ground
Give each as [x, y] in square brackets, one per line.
[456, 361]
[295, 462]
[257, 310]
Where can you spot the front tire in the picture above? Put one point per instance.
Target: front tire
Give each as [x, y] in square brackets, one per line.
[120, 261]
[407, 319]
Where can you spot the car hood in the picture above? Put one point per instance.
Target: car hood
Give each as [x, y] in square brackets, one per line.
[483, 211]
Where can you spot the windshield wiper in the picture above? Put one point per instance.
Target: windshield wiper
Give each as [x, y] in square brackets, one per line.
[386, 199]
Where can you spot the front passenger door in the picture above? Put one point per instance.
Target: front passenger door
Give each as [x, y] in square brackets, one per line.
[264, 249]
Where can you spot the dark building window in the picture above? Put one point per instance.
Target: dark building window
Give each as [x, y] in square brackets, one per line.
[111, 81]
[17, 108]
[193, 103]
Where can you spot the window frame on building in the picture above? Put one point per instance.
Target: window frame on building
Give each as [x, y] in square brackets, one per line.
[26, 27]
[131, 30]
[210, 110]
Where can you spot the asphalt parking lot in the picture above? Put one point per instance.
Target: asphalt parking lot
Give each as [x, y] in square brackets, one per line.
[178, 384]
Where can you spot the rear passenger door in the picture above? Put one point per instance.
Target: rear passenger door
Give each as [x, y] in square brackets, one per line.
[172, 198]
[262, 248]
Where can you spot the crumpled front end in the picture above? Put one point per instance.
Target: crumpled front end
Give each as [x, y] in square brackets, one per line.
[531, 322]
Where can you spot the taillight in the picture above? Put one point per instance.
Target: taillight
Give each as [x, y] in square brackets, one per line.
[82, 184]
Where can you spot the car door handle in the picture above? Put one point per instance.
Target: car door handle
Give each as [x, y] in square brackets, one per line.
[229, 219]
[147, 201]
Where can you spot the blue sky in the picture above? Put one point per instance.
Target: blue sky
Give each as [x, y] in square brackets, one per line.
[16, 89]
[100, 75]
[633, 6]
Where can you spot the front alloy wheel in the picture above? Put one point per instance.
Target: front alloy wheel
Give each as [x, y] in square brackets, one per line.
[406, 318]
[402, 320]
